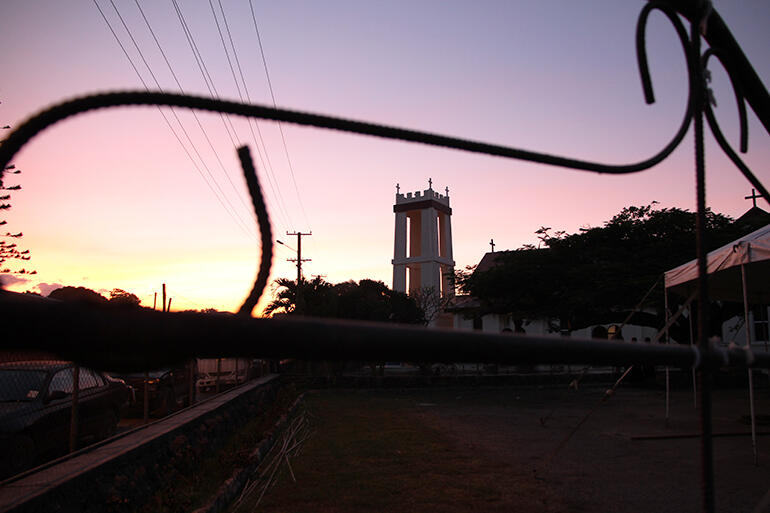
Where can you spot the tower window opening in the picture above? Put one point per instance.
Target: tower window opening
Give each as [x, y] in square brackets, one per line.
[408, 239]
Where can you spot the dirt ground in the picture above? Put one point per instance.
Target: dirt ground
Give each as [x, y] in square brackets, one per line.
[605, 466]
[510, 439]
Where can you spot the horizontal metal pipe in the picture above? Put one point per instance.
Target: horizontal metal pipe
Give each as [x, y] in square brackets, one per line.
[138, 339]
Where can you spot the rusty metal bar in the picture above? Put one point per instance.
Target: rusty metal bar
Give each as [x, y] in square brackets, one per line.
[737, 64]
[130, 340]
[704, 374]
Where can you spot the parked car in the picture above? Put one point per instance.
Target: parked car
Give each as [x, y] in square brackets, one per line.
[36, 408]
[167, 390]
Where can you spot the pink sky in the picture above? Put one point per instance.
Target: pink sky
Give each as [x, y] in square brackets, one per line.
[110, 199]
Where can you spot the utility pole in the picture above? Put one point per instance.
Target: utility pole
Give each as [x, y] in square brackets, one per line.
[299, 260]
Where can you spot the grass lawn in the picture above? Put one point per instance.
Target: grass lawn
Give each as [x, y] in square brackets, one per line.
[375, 451]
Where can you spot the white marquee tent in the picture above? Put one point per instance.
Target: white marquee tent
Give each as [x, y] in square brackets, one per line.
[748, 256]
[738, 271]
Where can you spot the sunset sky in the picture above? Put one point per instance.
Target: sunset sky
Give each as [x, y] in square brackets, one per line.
[111, 199]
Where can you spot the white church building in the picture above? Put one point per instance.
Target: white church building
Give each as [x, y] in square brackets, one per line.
[422, 255]
[422, 261]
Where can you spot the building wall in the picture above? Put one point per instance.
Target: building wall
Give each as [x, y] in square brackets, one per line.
[494, 323]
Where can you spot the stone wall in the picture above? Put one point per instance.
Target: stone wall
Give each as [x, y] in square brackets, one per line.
[123, 482]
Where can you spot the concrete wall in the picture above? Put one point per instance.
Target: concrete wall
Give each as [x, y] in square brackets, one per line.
[124, 472]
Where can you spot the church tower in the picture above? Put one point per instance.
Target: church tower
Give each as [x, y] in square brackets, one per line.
[423, 246]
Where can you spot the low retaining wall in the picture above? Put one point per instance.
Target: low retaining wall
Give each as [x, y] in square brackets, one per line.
[232, 488]
[124, 472]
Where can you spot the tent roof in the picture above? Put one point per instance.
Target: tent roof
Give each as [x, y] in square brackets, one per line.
[724, 270]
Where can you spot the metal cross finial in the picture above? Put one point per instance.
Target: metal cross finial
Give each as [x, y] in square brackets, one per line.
[398, 188]
[492, 243]
[753, 196]
[430, 183]
[447, 192]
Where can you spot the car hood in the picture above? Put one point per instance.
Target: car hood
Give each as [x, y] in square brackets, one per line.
[11, 413]
[12, 407]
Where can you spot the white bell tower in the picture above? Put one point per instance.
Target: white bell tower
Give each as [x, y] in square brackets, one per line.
[423, 246]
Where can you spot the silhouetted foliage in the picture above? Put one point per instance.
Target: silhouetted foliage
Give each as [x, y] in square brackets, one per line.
[596, 275]
[315, 297]
[10, 252]
[431, 302]
[80, 294]
[366, 300]
[120, 297]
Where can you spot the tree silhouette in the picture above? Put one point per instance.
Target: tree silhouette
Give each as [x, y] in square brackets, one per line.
[9, 250]
[79, 294]
[366, 300]
[598, 274]
[432, 302]
[120, 297]
[317, 299]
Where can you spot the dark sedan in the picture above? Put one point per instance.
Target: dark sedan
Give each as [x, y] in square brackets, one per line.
[36, 409]
[167, 391]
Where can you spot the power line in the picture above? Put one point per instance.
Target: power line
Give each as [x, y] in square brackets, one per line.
[215, 93]
[271, 172]
[168, 123]
[232, 211]
[195, 115]
[184, 130]
[204, 71]
[280, 126]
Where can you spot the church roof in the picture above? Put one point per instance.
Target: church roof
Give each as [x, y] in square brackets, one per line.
[754, 216]
[489, 260]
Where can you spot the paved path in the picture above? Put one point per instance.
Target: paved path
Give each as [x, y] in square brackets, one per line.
[36, 482]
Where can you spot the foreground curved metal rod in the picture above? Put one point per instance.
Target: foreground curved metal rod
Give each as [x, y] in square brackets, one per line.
[739, 99]
[720, 137]
[27, 130]
[137, 339]
[641, 49]
[718, 35]
[265, 230]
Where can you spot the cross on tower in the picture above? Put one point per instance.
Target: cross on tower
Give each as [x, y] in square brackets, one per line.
[492, 243]
[447, 192]
[430, 183]
[398, 188]
[753, 196]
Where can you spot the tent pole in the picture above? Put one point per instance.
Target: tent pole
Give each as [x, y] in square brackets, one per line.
[668, 341]
[694, 381]
[751, 377]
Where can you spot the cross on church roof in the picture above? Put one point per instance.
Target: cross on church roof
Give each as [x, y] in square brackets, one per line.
[398, 188]
[430, 183]
[753, 196]
[492, 243]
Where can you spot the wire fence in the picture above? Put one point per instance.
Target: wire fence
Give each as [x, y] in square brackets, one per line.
[133, 341]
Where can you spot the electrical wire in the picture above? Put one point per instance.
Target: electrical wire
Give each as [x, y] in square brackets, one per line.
[245, 86]
[215, 93]
[195, 148]
[207, 80]
[195, 115]
[168, 123]
[280, 126]
[240, 95]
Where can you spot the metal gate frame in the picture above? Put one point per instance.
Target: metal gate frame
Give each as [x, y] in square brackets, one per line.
[135, 340]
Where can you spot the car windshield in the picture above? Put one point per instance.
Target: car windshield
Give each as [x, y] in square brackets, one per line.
[21, 384]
